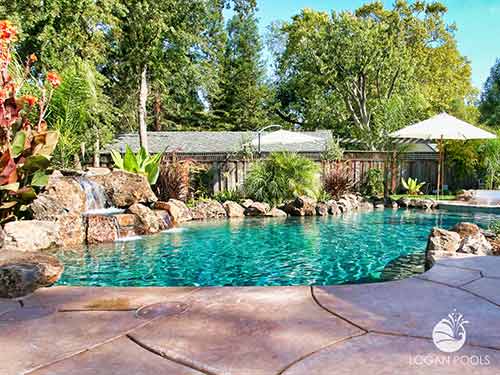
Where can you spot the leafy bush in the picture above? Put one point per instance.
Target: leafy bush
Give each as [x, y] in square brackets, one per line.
[140, 163]
[412, 186]
[281, 177]
[338, 180]
[333, 151]
[174, 179]
[229, 195]
[200, 178]
[323, 196]
[24, 157]
[491, 163]
[374, 185]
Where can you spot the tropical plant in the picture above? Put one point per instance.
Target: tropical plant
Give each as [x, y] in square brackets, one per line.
[374, 184]
[491, 163]
[140, 163]
[338, 180]
[323, 196]
[24, 157]
[281, 177]
[412, 186]
[174, 178]
[234, 195]
[495, 227]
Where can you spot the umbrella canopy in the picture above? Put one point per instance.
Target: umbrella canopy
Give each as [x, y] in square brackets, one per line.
[442, 126]
[284, 137]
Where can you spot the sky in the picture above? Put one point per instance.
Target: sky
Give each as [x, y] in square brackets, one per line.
[478, 23]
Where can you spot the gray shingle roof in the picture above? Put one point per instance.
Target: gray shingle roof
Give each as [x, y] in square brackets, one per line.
[194, 142]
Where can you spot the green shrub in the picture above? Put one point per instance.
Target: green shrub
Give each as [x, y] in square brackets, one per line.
[229, 195]
[495, 227]
[281, 177]
[374, 185]
[333, 151]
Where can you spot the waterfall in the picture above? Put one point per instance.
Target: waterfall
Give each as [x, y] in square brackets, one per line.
[95, 198]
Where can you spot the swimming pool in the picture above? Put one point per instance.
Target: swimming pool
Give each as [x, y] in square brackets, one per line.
[355, 248]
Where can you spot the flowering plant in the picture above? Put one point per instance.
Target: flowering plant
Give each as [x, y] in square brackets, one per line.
[25, 150]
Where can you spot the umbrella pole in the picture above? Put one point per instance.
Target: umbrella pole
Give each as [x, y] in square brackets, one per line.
[440, 145]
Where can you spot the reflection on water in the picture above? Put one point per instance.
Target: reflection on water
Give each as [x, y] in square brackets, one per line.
[359, 247]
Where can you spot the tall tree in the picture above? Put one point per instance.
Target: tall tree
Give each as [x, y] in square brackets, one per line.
[347, 71]
[242, 90]
[489, 105]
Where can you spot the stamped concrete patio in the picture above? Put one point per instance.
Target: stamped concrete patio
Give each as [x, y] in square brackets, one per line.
[382, 328]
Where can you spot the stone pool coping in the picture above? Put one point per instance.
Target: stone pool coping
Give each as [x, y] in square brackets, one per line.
[380, 328]
[461, 206]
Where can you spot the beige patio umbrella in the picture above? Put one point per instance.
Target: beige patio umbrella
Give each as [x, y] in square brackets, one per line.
[439, 128]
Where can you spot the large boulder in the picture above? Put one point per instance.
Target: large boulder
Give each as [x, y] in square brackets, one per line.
[30, 235]
[210, 209]
[301, 206]
[21, 273]
[443, 242]
[473, 240]
[245, 203]
[101, 229]
[70, 230]
[177, 210]
[465, 195]
[344, 205]
[124, 189]
[149, 221]
[257, 209]
[233, 209]
[62, 195]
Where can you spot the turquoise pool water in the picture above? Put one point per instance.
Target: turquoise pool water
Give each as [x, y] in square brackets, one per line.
[361, 247]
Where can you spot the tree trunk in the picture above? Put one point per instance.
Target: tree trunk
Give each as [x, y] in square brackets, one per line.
[143, 97]
[157, 111]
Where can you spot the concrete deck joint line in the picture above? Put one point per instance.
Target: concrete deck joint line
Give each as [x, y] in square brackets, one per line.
[163, 355]
[334, 313]
[336, 342]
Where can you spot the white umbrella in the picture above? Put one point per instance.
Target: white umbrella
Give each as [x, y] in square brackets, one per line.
[284, 137]
[440, 127]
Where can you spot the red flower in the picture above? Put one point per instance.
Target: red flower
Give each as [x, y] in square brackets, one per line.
[28, 99]
[7, 31]
[54, 79]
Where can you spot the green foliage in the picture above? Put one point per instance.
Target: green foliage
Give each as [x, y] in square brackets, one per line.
[333, 151]
[489, 105]
[140, 163]
[240, 102]
[374, 185]
[229, 195]
[323, 196]
[495, 227]
[491, 163]
[281, 177]
[80, 112]
[412, 186]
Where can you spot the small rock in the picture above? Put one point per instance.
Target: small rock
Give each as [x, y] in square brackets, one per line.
[233, 209]
[246, 203]
[276, 212]
[333, 208]
[380, 206]
[149, 221]
[257, 209]
[394, 205]
[22, 273]
[178, 210]
[30, 235]
[404, 202]
[465, 195]
[210, 209]
[344, 205]
[301, 206]
[365, 205]
[321, 209]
